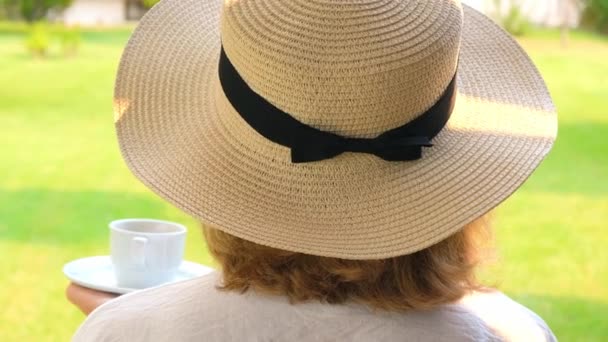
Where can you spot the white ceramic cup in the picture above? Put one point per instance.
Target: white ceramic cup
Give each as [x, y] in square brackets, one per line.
[146, 252]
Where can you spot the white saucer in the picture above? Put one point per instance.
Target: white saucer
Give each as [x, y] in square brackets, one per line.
[97, 273]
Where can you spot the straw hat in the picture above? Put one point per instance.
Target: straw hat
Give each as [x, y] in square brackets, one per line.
[330, 73]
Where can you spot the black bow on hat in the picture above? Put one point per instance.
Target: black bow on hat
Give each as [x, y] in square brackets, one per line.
[309, 144]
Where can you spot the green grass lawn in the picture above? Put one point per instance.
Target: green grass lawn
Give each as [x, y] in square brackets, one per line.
[62, 180]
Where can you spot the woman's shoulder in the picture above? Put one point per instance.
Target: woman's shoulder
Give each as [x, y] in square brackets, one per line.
[192, 310]
[508, 319]
[155, 314]
[196, 310]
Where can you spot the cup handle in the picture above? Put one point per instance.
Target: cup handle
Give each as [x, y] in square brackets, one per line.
[139, 250]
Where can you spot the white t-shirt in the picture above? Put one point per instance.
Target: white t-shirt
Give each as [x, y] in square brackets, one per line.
[195, 310]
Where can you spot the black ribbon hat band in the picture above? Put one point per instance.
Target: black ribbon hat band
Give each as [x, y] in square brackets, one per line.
[309, 144]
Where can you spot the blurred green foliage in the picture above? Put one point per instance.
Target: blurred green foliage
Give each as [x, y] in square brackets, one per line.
[515, 22]
[511, 18]
[36, 10]
[38, 40]
[149, 3]
[70, 39]
[595, 15]
[32, 10]
[41, 36]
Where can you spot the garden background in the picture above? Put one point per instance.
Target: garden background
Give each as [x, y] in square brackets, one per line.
[62, 180]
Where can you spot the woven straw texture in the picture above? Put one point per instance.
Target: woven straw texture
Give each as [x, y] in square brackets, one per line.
[353, 67]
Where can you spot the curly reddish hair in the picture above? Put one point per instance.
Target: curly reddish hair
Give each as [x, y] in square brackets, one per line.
[437, 275]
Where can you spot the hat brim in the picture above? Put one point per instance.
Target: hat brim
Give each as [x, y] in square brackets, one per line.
[180, 136]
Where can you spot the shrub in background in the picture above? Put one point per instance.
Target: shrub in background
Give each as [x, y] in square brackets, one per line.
[595, 15]
[149, 3]
[34, 10]
[515, 22]
[510, 16]
[70, 40]
[8, 9]
[38, 40]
